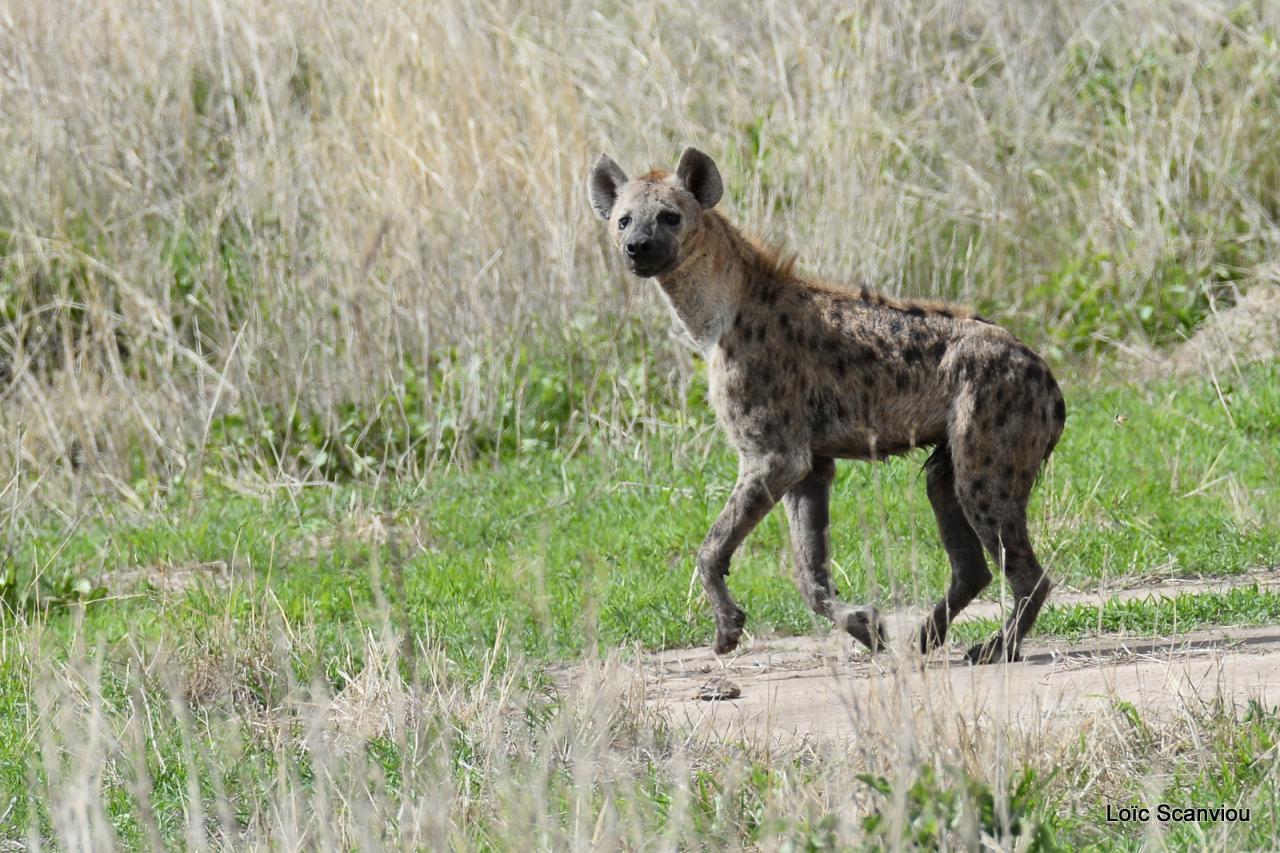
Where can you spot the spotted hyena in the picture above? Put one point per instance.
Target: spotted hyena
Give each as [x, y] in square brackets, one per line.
[803, 372]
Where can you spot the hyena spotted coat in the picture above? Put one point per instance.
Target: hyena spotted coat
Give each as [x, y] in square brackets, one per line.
[803, 373]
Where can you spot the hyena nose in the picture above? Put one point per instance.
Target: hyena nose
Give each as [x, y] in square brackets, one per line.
[635, 248]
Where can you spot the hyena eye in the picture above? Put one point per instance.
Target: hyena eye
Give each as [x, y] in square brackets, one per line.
[623, 222]
[670, 219]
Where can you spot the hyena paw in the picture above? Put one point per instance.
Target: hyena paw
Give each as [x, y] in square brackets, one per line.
[865, 626]
[931, 637]
[729, 631]
[993, 651]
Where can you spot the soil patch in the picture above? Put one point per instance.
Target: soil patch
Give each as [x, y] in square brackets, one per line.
[805, 687]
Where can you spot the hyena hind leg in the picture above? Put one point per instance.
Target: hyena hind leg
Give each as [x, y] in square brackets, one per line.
[996, 453]
[1009, 544]
[808, 514]
[969, 572]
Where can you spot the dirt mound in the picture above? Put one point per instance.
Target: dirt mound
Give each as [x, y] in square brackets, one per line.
[167, 577]
[1248, 331]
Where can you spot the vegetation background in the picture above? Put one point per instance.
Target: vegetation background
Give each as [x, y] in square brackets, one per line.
[307, 298]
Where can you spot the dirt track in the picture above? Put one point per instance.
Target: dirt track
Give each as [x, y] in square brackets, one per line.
[821, 686]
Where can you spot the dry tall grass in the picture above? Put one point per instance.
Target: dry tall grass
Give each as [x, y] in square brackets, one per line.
[279, 210]
[242, 235]
[159, 754]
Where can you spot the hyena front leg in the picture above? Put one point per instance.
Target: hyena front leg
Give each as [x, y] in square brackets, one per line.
[761, 482]
[808, 514]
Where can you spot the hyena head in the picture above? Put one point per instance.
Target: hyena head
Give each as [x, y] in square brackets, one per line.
[655, 218]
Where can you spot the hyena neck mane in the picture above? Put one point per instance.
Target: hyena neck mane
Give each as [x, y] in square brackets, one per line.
[723, 270]
[720, 270]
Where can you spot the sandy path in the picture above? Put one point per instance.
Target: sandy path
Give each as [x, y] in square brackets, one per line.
[805, 686]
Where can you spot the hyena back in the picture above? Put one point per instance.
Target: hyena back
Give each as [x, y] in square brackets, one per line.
[802, 373]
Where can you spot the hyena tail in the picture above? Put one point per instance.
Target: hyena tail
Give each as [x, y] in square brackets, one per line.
[1059, 419]
[939, 464]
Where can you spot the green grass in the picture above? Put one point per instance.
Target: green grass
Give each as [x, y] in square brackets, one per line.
[565, 551]
[272, 265]
[546, 555]
[1227, 758]
[1153, 616]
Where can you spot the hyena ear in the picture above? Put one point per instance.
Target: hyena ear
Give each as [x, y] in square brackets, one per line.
[603, 185]
[700, 176]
